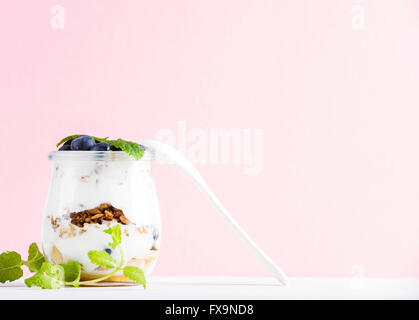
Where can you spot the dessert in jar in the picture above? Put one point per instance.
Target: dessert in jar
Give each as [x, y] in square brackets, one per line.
[94, 187]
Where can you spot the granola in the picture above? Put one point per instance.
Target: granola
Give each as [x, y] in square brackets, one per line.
[104, 212]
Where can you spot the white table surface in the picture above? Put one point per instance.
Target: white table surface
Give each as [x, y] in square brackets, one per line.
[221, 288]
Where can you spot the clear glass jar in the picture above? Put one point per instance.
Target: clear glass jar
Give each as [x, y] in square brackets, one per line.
[91, 191]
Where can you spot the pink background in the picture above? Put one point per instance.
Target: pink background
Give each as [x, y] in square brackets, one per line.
[339, 108]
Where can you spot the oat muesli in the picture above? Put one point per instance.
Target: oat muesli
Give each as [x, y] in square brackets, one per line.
[103, 212]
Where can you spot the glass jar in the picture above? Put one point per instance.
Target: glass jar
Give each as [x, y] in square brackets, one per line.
[91, 191]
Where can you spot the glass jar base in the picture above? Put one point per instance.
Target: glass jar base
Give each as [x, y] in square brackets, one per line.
[112, 281]
[110, 284]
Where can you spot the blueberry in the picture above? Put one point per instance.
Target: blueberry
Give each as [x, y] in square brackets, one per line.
[101, 146]
[142, 147]
[82, 143]
[65, 147]
[155, 233]
[108, 250]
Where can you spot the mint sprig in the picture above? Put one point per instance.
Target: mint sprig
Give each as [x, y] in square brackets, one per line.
[50, 276]
[131, 148]
[11, 263]
[10, 266]
[54, 276]
[135, 273]
[72, 272]
[68, 138]
[35, 258]
[115, 233]
[102, 259]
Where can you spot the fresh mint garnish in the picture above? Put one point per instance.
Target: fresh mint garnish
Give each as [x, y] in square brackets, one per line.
[54, 276]
[50, 276]
[35, 258]
[131, 148]
[135, 273]
[11, 263]
[72, 272]
[115, 233]
[10, 266]
[102, 258]
[68, 138]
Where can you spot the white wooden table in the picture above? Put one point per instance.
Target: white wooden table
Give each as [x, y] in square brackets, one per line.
[221, 288]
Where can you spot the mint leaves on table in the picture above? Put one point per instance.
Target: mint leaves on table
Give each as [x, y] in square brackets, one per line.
[10, 266]
[50, 276]
[131, 148]
[72, 272]
[35, 258]
[11, 263]
[54, 276]
[135, 273]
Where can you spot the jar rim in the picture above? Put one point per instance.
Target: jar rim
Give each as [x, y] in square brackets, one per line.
[71, 155]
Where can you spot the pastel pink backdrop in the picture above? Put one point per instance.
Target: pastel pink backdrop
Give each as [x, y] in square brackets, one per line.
[339, 108]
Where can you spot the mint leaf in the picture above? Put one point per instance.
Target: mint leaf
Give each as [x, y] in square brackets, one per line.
[10, 266]
[68, 138]
[115, 232]
[132, 148]
[102, 258]
[136, 274]
[72, 272]
[50, 276]
[35, 258]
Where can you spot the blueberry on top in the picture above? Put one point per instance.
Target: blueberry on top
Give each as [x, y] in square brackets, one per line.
[65, 147]
[82, 143]
[108, 250]
[101, 146]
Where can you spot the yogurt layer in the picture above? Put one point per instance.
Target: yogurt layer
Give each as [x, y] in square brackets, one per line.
[66, 242]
